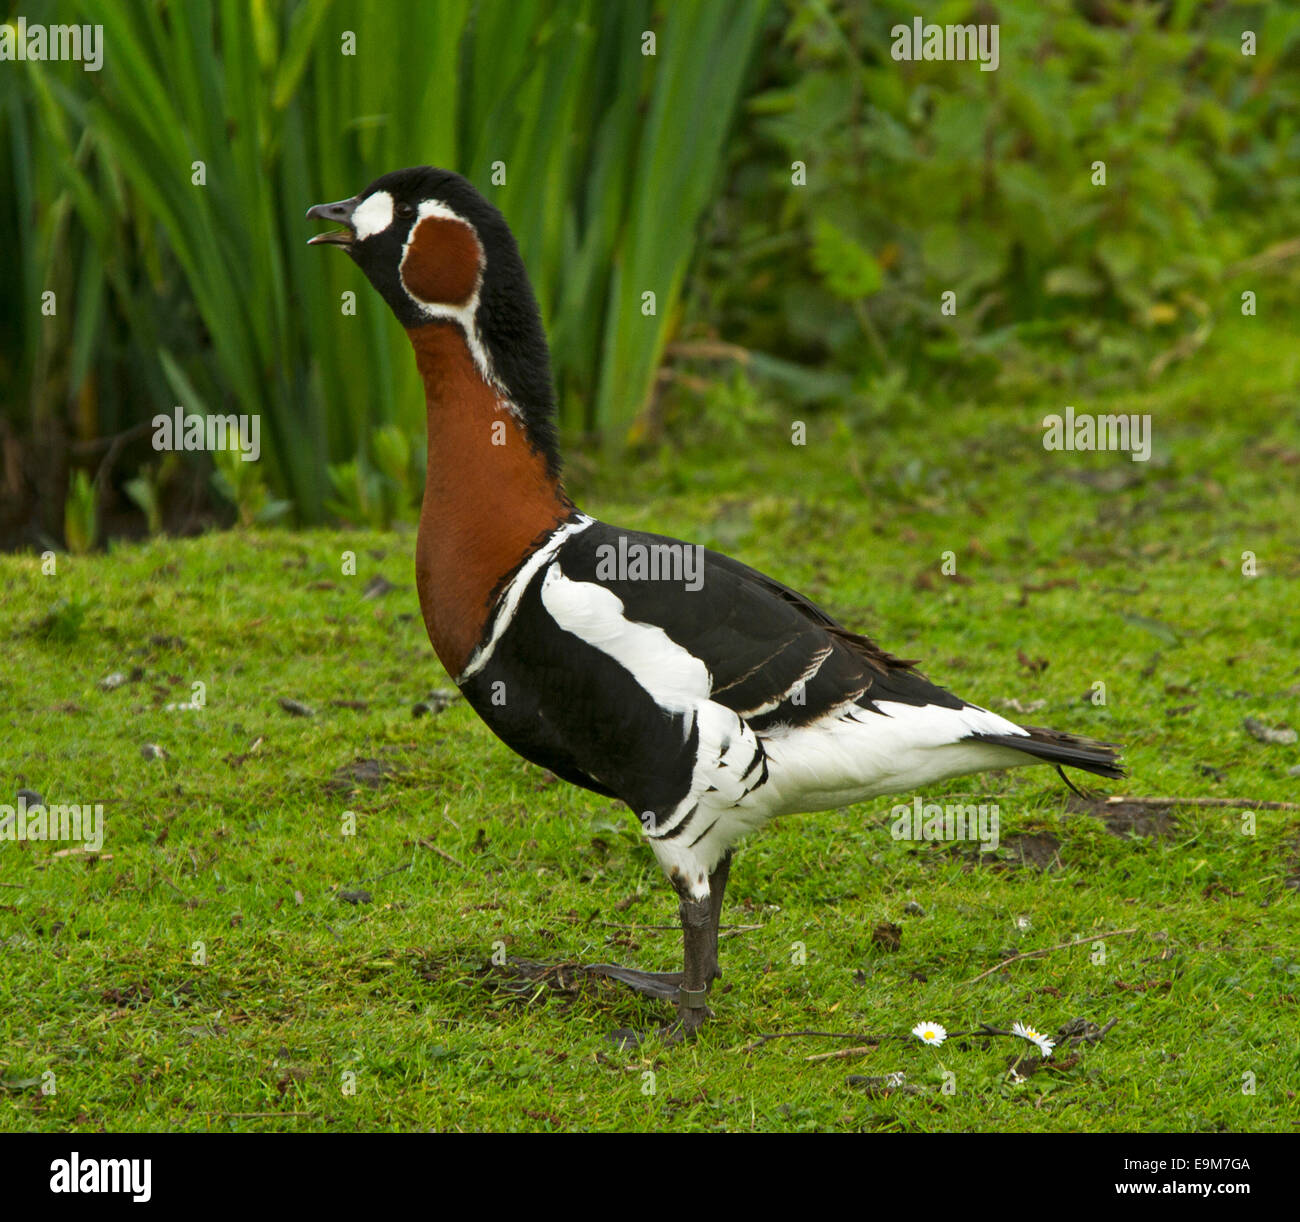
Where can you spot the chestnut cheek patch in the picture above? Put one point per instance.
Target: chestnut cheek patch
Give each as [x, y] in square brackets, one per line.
[441, 265]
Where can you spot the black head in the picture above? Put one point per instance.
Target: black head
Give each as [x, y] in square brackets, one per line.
[438, 251]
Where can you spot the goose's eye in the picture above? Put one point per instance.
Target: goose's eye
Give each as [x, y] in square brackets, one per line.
[405, 211]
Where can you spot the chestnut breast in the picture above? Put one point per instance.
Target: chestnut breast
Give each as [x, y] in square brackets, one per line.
[488, 499]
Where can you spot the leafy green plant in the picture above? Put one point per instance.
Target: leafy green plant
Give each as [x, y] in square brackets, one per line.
[80, 514]
[358, 494]
[145, 494]
[1087, 198]
[381, 488]
[243, 485]
[168, 202]
[400, 464]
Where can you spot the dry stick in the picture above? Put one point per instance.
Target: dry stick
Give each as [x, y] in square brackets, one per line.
[710, 350]
[730, 931]
[1252, 803]
[1047, 950]
[95, 444]
[386, 873]
[164, 879]
[428, 844]
[635, 925]
[1276, 253]
[1181, 350]
[1092, 1037]
[251, 1115]
[827, 1035]
[116, 444]
[841, 1053]
[723, 930]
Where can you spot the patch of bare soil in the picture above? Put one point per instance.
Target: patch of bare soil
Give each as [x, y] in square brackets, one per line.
[1128, 818]
[360, 773]
[1041, 850]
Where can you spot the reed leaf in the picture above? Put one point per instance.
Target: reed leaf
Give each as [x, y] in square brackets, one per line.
[167, 193]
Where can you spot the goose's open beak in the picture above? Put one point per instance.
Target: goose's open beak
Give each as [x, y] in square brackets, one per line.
[340, 212]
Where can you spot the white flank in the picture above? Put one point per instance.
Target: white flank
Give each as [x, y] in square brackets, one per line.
[854, 754]
[508, 603]
[848, 756]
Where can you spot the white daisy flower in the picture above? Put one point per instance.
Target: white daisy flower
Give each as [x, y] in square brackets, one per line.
[1037, 1038]
[930, 1033]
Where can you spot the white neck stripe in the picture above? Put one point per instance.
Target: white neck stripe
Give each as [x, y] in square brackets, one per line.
[508, 603]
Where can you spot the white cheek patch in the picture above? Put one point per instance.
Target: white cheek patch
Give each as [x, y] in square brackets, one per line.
[373, 215]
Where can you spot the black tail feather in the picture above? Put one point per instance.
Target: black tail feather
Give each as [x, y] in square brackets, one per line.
[1058, 748]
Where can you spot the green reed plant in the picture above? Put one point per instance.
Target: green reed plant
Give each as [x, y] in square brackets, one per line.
[163, 199]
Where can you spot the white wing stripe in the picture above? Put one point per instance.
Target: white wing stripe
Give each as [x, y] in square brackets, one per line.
[676, 679]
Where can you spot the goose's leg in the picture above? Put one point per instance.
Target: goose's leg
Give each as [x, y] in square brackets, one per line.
[717, 885]
[700, 920]
[700, 942]
[666, 985]
[689, 988]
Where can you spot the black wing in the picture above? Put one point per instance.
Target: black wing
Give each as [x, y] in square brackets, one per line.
[774, 656]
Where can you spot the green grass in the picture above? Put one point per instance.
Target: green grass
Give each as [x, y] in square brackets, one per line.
[234, 840]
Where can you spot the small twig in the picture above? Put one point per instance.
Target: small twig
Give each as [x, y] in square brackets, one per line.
[252, 1115]
[1047, 950]
[116, 445]
[724, 931]
[1087, 795]
[428, 844]
[1276, 253]
[1252, 803]
[840, 1053]
[826, 1035]
[635, 925]
[1091, 1037]
[164, 879]
[95, 444]
[386, 873]
[709, 350]
[1184, 348]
